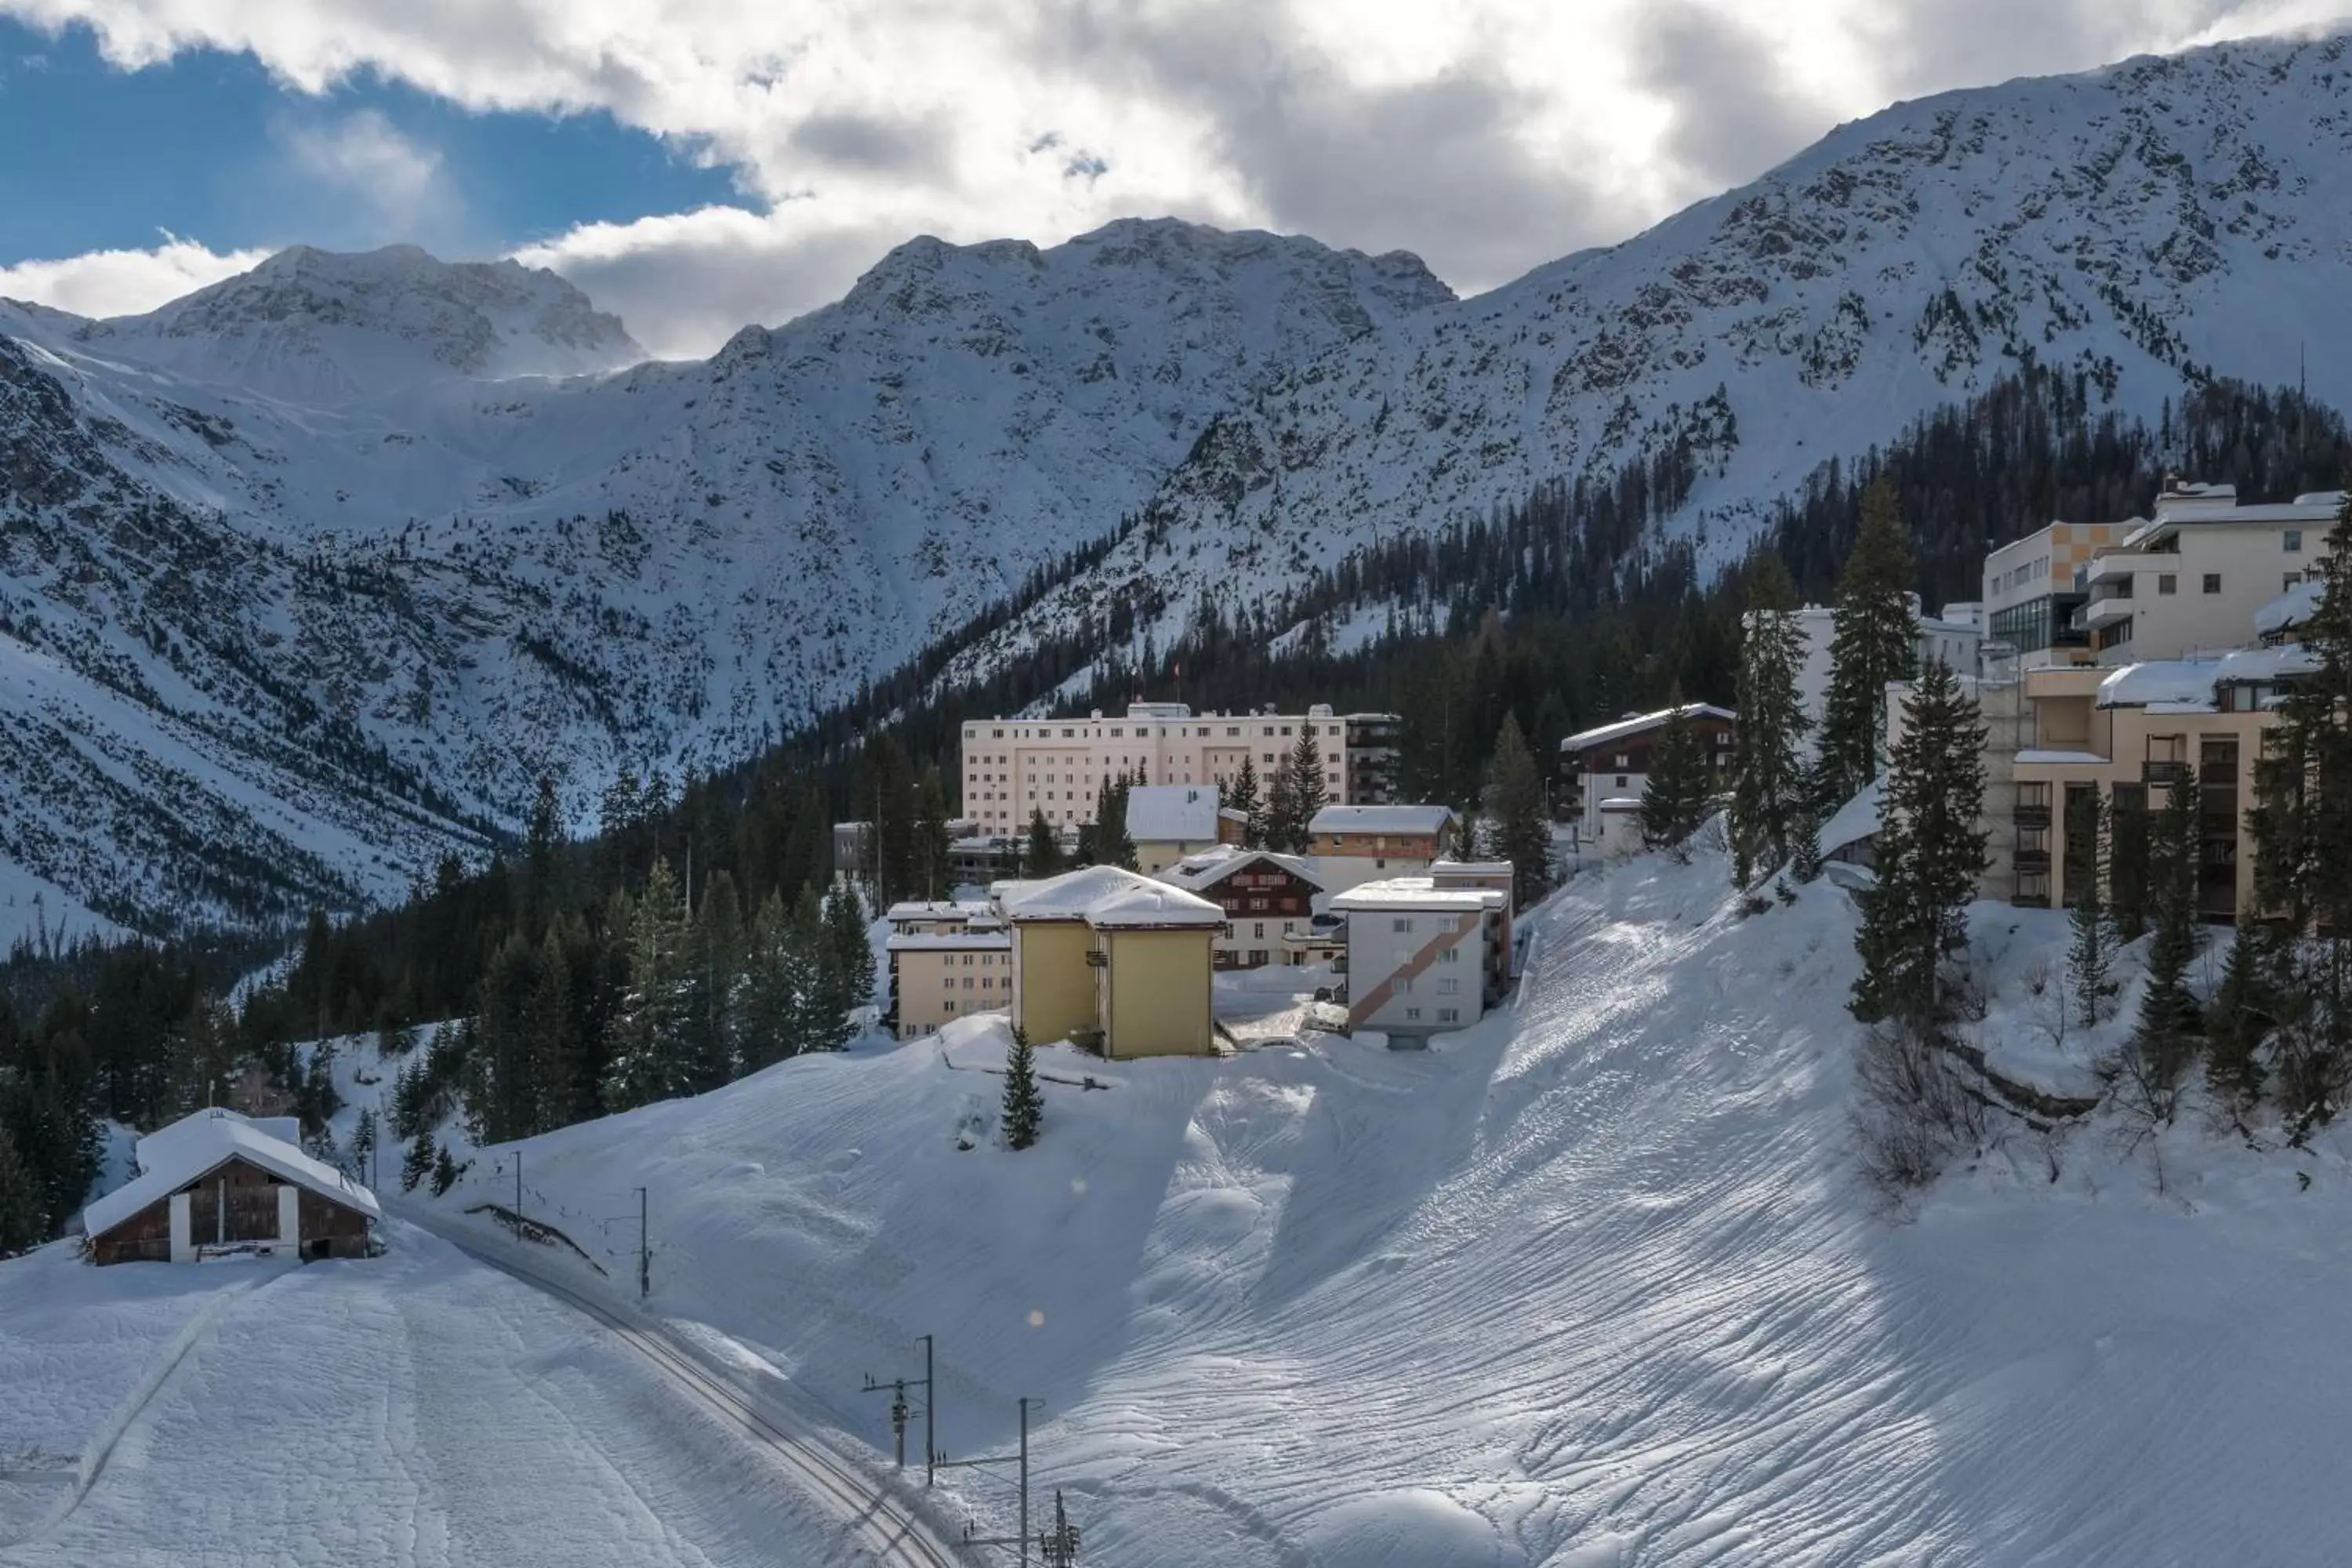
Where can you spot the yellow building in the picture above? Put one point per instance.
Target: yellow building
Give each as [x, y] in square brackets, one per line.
[1109, 959]
[2126, 738]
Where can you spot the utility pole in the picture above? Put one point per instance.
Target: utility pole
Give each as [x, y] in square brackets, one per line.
[644, 1252]
[900, 1410]
[1020, 1542]
[517, 1189]
[1058, 1547]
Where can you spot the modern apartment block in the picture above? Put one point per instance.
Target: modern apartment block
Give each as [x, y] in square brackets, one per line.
[2128, 737]
[1424, 954]
[2030, 589]
[2190, 579]
[1012, 768]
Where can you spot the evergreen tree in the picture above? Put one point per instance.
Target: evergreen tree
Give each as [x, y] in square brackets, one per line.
[22, 1222]
[782, 985]
[542, 865]
[2091, 952]
[417, 1163]
[1308, 793]
[649, 1056]
[714, 970]
[931, 839]
[2240, 1018]
[2128, 852]
[547, 1030]
[1043, 858]
[1243, 796]
[444, 1170]
[2170, 1023]
[1769, 797]
[364, 1136]
[618, 814]
[845, 973]
[1515, 803]
[2302, 829]
[1676, 799]
[1025, 1101]
[1285, 828]
[1873, 640]
[1930, 852]
[1113, 845]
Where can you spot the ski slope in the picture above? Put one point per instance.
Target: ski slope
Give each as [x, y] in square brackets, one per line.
[1592, 1284]
[416, 1409]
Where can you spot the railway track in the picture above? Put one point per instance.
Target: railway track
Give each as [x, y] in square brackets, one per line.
[888, 1531]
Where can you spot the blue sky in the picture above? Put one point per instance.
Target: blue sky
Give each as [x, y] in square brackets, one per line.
[209, 147]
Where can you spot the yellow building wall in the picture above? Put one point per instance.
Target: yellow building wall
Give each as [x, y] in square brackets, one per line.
[1155, 992]
[925, 991]
[1054, 987]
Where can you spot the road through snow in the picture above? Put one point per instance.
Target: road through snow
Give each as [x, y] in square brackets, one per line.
[420, 1410]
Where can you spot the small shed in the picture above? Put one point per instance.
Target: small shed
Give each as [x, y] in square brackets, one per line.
[214, 1183]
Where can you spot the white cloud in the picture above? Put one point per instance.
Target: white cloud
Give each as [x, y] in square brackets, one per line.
[123, 282]
[1488, 135]
[365, 161]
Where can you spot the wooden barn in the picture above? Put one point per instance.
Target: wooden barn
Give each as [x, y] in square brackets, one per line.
[216, 1183]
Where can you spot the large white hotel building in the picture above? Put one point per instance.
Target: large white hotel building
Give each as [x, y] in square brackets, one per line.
[1014, 767]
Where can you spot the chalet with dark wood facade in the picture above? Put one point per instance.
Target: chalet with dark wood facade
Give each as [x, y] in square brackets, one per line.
[216, 1183]
[1612, 761]
[1268, 900]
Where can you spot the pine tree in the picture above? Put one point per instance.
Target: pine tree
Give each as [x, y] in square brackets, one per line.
[649, 1058]
[444, 1170]
[1770, 791]
[932, 844]
[2091, 952]
[1113, 844]
[417, 1163]
[1930, 852]
[543, 845]
[364, 1136]
[1025, 1101]
[2128, 853]
[781, 982]
[845, 973]
[1285, 828]
[1043, 858]
[547, 1037]
[1515, 803]
[1308, 793]
[22, 1223]
[2239, 1021]
[714, 971]
[2302, 828]
[1873, 640]
[1676, 799]
[1243, 796]
[2170, 1023]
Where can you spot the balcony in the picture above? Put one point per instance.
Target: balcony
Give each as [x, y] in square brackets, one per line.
[2155, 772]
[2030, 816]
[2034, 861]
[2101, 613]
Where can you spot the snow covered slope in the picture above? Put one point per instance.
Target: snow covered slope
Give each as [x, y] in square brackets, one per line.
[1593, 1283]
[2134, 225]
[330, 518]
[418, 1408]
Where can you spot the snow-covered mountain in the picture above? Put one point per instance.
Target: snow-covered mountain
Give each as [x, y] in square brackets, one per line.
[2161, 218]
[325, 562]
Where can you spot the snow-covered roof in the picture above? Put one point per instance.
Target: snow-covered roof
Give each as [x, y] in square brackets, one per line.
[156, 1147]
[1855, 820]
[1380, 819]
[1622, 802]
[1103, 895]
[2292, 608]
[951, 941]
[1172, 814]
[2267, 663]
[2057, 756]
[204, 1147]
[1212, 865]
[2161, 681]
[934, 909]
[1442, 869]
[1416, 893]
[1152, 904]
[1634, 724]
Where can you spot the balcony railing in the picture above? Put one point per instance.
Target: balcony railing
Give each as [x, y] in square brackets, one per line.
[2159, 773]
[2030, 816]
[2034, 860]
[2217, 772]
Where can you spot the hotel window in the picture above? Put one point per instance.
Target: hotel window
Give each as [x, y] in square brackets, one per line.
[1448, 1014]
[2212, 581]
[1623, 761]
[1260, 932]
[1413, 1014]
[1451, 955]
[2166, 582]
[2292, 539]
[1449, 987]
[951, 1005]
[1402, 925]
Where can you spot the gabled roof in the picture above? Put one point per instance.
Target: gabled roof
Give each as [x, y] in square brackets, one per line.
[204, 1148]
[157, 1146]
[1855, 820]
[1380, 819]
[1152, 905]
[1210, 867]
[1634, 724]
[1172, 814]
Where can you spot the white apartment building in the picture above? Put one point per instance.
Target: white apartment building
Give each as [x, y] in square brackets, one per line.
[2192, 578]
[1952, 637]
[1013, 767]
[1424, 958]
[2031, 593]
